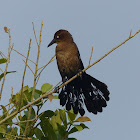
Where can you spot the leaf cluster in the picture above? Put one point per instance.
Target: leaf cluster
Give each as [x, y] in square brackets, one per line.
[47, 125]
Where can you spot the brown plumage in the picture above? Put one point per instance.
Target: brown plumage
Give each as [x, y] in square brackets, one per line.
[82, 90]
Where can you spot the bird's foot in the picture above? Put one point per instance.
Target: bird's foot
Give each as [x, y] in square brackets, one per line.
[56, 90]
[64, 79]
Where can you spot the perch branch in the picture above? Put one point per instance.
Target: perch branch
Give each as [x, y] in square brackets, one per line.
[46, 94]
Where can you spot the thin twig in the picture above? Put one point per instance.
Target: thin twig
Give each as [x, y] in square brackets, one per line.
[46, 94]
[2, 54]
[22, 55]
[91, 55]
[130, 32]
[5, 113]
[47, 63]
[8, 60]
[35, 34]
[43, 67]
[12, 47]
[5, 106]
[1, 70]
[38, 76]
[29, 67]
[17, 123]
[21, 94]
[24, 74]
[35, 76]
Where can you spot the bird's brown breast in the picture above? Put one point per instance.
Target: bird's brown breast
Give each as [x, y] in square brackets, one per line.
[67, 59]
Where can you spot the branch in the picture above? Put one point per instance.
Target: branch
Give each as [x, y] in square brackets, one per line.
[8, 60]
[35, 34]
[46, 94]
[22, 55]
[2, 54]
[38, 76]
[24, 73]
[91, 55]
[35, 77]
[29, 67]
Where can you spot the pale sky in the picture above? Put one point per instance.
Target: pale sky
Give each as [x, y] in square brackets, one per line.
[102, 24]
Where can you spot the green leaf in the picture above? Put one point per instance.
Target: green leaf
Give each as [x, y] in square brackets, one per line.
[35, 138]
[73, 130]
[26, 96]
[79, 127]
[46, 87]
[48, 129]
[55, 119]
[11, 131]
[32, 113]
[1, 76]
[4, 109]
[71, 116]
[3, 60]
[62, 130]
[38, 133]
[23, 118]
[30, 89]
[1, 136]
[84, 126]
[3, 128]
[47, 113]
[44, 138]
[55, 97]
[25, 89]
[72, 139]
[36, 95]
[38, 91]
[63, 116]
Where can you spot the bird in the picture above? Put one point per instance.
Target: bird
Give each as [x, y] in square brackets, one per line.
[84, 91]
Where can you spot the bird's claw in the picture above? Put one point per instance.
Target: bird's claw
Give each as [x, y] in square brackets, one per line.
[56, 90]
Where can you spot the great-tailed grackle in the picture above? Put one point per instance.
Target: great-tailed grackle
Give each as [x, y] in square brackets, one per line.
[84, 89]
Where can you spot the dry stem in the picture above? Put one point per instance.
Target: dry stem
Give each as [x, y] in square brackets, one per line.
[35, 77]
[8, 60]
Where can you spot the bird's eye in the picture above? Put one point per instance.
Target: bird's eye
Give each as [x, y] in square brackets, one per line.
[57, 36]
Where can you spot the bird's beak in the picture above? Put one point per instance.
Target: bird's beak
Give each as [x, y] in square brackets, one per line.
[52, 42]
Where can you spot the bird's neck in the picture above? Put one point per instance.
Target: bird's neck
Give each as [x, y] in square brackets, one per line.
[64, 46]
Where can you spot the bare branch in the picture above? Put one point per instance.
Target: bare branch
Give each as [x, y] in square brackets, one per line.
[35, 34]
[35, 77]
[2, 70]
[46, 94]
[29, 67]
[38, 76]
[130, 32]
[24, 73]
[91, 55]
[2, 54]
[8, 60]
[47, 64]
[23, 55]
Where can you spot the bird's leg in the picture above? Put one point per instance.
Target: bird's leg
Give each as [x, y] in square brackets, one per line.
[56, 90]
[64, 79]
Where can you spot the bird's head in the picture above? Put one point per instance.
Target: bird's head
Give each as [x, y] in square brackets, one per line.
[61, 36]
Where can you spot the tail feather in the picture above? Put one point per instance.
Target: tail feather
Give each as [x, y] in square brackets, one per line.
[86, 90]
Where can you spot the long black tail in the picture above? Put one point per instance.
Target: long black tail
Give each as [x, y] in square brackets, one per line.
[84, 90]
